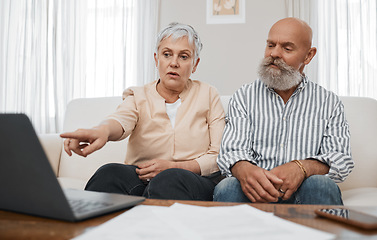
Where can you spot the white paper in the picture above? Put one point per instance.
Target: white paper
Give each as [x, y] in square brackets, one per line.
[181, 221]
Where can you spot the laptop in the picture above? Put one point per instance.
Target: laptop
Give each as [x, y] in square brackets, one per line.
[28, 183]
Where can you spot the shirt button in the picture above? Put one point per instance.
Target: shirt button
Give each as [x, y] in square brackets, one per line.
[281, 145]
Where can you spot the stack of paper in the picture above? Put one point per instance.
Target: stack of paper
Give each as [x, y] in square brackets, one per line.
[181, 221]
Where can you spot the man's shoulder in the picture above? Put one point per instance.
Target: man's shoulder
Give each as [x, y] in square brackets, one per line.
[324, 91]
[252, 88]
[249, 93]
[324, 97]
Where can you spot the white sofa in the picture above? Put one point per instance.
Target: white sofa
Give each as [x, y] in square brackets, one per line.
[360, 188]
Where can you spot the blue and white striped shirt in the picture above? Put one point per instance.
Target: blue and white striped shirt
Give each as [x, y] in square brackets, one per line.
[264, 130]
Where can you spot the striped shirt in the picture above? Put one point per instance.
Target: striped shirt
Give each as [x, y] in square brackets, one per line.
[264, 130]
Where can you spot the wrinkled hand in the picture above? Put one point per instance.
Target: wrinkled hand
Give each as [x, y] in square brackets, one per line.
[150, 169]
[84, 141]
[257, 183]
[292, 177]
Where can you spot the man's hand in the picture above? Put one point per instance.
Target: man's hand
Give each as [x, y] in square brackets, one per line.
[150, 169]
[292, 177]
[257, 183]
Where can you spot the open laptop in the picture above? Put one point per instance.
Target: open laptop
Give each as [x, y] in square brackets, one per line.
[28, 183]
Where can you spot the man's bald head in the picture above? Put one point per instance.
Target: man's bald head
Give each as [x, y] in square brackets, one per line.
[300, 27]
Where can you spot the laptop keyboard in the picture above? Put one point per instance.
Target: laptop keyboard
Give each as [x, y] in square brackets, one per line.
[82, 206]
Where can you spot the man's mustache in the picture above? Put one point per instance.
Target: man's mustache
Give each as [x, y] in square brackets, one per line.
[275, 61]
[279, 62]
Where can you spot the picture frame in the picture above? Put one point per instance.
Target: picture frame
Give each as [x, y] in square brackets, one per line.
[225, 11]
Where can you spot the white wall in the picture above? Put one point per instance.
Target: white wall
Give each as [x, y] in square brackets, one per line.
[231, 52]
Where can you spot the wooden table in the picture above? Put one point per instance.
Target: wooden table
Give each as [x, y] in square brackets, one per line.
[20, 226]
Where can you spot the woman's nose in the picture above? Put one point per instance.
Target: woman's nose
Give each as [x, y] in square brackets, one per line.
[174, 62]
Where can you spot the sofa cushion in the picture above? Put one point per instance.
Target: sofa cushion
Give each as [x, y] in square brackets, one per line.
[360, 197]
[87, 113]
[72, 183]
[361, 114]
[52, 146]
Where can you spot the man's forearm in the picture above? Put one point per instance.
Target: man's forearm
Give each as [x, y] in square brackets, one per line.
[314, 167]
[238, 166]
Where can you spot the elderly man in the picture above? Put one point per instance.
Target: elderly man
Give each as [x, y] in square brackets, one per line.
[286, 139]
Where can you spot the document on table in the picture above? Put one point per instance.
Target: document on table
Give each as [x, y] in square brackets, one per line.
[181, 221]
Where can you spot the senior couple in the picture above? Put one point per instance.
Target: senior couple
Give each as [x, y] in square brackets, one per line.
[285, 139]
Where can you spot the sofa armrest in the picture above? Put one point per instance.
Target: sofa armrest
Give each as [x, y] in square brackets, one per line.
[52, 145]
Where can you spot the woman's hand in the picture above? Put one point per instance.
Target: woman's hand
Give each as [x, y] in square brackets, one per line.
[150, 169]
[84, 141]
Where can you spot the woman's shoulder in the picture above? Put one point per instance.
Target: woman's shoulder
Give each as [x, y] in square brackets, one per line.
[139, 91]
[203, 86]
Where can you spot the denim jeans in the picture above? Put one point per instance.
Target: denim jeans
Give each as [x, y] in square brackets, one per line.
[175, 183]
[316, 189]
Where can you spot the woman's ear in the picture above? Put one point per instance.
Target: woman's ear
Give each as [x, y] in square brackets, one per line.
[196, 65]
[310, 55]
[155, 59]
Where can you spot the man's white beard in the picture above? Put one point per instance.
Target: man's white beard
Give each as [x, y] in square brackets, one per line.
[284, 78]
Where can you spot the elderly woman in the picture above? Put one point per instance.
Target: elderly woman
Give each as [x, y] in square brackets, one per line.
[175, 126]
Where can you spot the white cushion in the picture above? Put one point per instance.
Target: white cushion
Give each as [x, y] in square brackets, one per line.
[361, 114]
[52, 146]
[72, 183]
[360, 197]
[225, 102]
[87, 113]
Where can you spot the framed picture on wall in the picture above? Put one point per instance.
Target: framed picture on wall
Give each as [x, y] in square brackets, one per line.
[225, 11]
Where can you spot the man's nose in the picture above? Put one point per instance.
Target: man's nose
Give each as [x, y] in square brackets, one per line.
[275, 52]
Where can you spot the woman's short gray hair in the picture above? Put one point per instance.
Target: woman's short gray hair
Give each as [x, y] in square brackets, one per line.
[179, 30]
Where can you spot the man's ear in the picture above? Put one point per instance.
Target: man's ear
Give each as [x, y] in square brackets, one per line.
[195, 66]
[310, 55]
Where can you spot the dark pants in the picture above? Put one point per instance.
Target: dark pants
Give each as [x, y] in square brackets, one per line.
[175, 183]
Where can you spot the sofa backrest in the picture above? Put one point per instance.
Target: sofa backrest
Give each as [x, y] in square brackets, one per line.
[87, 113]
[361, 114]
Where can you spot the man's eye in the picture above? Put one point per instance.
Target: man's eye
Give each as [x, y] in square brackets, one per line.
[166, 54]
[184, 57]
[288, 49]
